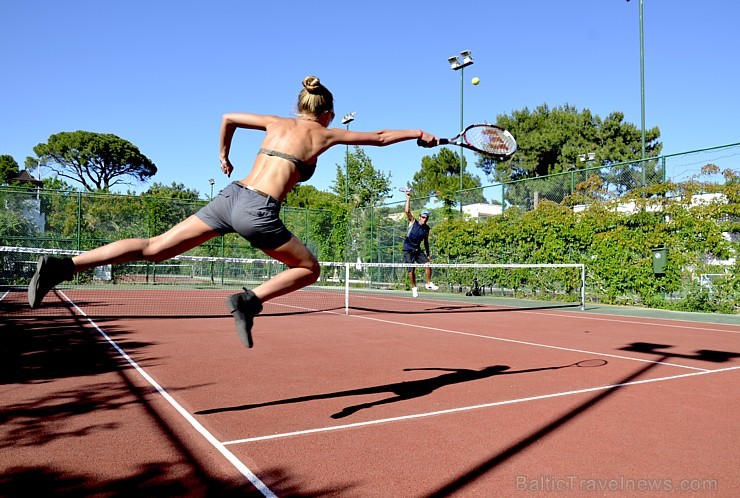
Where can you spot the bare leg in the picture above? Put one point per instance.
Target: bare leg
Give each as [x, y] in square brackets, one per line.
[303, 270]
[187, 234]
[412, 277]
[429, 275]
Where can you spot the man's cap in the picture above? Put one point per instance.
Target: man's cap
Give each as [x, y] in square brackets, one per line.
[425, 213]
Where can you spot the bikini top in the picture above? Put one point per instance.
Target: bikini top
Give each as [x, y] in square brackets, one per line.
[305, 170]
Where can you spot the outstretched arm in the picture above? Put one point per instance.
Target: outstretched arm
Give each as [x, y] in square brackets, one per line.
[407, 207]
[380, 138]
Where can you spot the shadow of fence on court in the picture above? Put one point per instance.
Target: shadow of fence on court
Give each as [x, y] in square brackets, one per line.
[38, 351]
[538, 436]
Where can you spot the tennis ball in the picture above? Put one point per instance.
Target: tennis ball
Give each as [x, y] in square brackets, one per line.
[476, 80]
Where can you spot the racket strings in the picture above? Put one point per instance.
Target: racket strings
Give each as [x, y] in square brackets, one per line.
[491, 140]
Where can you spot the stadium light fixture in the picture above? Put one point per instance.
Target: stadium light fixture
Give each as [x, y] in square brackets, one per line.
[455, 64]
[348, 118]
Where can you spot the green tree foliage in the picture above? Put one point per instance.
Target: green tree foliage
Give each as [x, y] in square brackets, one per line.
[308, 196]
[106, 218]
[366, 184]
[318, 219]
[97, 161]
[167, 206]
[93, 219]
[440, 177]
[8, 167]
[173, 191]
[554, 140]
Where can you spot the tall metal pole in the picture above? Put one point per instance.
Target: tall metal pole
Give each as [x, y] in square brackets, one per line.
[456, 64]
[642, 93]
[346, 172]
[346, 120]
[462, 124]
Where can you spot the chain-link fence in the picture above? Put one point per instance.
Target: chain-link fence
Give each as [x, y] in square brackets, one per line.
[81, 221]
[52, 219]
[377, 232]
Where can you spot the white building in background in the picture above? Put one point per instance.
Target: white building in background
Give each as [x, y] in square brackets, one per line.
[479, 211]
[482, 211]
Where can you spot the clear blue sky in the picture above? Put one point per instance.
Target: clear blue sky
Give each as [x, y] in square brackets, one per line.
[161, 73]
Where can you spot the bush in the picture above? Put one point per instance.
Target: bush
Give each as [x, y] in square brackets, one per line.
[615, 240]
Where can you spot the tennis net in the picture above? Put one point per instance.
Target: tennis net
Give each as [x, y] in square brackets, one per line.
[190, 286]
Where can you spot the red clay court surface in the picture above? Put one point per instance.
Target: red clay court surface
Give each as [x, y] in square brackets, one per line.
[476, 403]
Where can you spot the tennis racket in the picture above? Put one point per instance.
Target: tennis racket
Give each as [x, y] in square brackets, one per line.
[487, 139]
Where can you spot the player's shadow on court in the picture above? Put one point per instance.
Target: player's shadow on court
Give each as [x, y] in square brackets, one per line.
[401, 391]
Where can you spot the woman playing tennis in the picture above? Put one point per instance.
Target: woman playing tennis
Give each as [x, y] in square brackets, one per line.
[250, 207]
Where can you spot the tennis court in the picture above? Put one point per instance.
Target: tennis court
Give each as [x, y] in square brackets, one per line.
[462, 396]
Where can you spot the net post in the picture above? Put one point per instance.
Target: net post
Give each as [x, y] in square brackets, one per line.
[583, 287]
[346, 288]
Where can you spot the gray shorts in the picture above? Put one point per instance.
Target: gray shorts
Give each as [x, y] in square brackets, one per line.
[254, 216]
[414, 257]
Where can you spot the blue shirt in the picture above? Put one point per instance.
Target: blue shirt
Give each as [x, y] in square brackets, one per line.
[415, 236]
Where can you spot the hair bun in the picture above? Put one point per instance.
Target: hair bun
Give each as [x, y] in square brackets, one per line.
[312, 84]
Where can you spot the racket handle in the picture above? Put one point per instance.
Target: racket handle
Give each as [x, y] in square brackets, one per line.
[441, 141]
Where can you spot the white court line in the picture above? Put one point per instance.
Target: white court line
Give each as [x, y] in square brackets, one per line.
[256, 482]
[643, 322]
[515, 341]
[244, 470]
[468, 408]
[581, 315]
[502, 339]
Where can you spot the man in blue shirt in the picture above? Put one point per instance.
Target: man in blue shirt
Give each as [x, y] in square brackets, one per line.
[418, 232]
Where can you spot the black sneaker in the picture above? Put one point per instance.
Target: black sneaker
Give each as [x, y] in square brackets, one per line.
[50, 271]
[244, 306]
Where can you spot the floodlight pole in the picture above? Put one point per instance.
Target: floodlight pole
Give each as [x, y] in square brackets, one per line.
[346, 120]
[211, 181]
[642, 93]
[457, 64]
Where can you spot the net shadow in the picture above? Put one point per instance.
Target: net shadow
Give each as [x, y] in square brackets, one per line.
[461, 308]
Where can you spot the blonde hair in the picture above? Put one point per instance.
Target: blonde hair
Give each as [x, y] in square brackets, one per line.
[315, 99]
